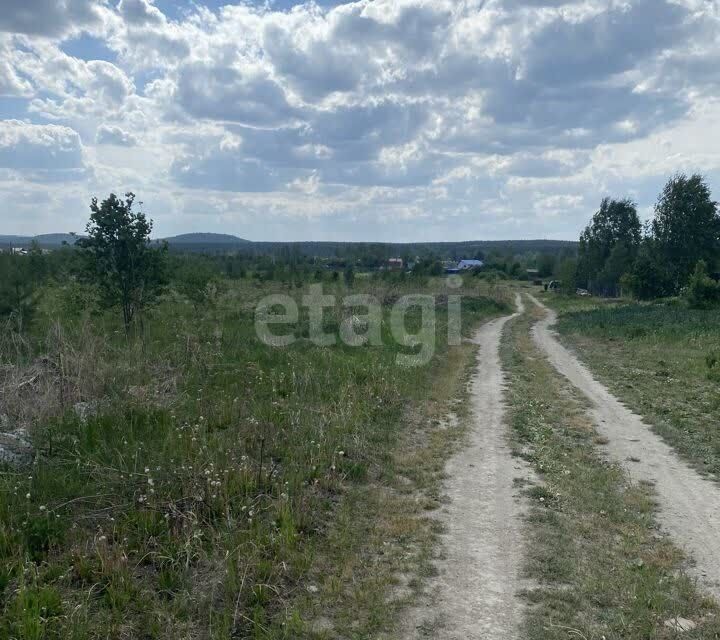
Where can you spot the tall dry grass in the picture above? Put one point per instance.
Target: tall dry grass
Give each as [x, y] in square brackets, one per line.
[44, 381]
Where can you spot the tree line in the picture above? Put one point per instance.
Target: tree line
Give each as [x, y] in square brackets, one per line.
[674, 253]
[116, 265]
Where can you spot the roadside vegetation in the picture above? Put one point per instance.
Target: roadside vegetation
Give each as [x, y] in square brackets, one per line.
[673, 255]
[662, 359]
[651, 332]
[173, 477]
[600, 566]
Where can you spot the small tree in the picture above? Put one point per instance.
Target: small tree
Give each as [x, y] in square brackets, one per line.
[702, 291]
[198, 282]
[349, 275]
[120, 258]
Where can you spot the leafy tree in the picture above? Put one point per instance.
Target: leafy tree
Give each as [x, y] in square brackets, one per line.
[615, 223]
[650, 277]
[619, 262]
[120, 258]
[515, 270]
[702, 291]
[567, 273]
[686, 227]
[546, 264]
[349, 275]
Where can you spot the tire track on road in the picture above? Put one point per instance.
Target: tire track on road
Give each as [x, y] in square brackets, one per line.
[476, 595]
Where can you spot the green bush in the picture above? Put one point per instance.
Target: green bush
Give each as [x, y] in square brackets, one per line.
[702, 291]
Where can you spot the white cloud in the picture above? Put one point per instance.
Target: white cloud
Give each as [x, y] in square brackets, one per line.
[476, 116]
[51, 18]
[108, 134]
[141, 12]
[227, 94]
[29, 146]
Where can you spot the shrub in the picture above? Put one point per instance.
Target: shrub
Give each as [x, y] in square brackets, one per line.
[702, 291]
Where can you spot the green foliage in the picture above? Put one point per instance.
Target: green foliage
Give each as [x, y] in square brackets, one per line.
[33, 614]
[585, 504]
[41, 533]
[702, 291]
[608, 246]
[18, 284]
[76, 298]
[547, 264]
[658, 323]
[120, 259]
[198, 281]
[650, 276]
[37, 265]
[686, 227]
[567, 273]
[712, 362]
[662, 359]
[211, 478]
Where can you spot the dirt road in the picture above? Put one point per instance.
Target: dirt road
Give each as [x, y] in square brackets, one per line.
[689, 504]
[476, 591]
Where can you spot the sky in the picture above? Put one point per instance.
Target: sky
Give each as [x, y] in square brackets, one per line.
[374, 120]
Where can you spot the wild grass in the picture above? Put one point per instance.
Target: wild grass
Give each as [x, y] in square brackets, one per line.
[212, 487]
[600, 566]
[664, 361]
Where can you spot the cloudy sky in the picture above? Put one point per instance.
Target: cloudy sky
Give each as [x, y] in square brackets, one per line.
[369, 120]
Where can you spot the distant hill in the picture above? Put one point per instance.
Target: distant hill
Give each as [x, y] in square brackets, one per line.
[219, 243]
[14, 241]
[205, 239]
[46, 240]
[185, 241]
[55, 239]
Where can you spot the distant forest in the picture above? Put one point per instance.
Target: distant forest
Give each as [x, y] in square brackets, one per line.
[210, 243]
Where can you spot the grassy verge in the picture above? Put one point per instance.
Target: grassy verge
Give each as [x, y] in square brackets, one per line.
[601, 568]
[380, 549]
[216, 487]
[663, 360]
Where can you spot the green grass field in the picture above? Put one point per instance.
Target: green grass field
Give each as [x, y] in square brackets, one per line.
[218, 487]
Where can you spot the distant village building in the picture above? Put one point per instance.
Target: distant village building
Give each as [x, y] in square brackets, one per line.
[395, 264]
[18, 251]
[534, 276]
[462, 265]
